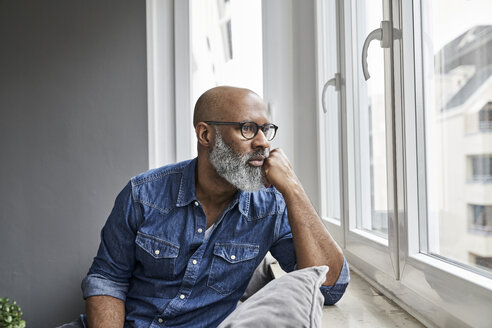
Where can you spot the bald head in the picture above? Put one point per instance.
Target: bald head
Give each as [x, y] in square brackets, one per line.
[216, 104]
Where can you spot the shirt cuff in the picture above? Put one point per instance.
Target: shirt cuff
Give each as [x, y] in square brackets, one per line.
[334, 293]
[98, 285]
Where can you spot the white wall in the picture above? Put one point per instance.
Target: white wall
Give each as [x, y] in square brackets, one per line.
[73, 130]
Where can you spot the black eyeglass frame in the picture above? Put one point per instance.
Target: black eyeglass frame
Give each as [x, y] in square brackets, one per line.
[241, 124]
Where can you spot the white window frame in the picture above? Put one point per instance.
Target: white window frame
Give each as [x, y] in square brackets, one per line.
[168, 81]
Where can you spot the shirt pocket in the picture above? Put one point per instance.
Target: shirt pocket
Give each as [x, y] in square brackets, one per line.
[232, 266]
[157, 256]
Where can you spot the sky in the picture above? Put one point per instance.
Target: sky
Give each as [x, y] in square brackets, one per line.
[450, 18]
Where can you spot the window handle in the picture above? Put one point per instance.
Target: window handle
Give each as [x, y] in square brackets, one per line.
[385, 35]
[336, 82]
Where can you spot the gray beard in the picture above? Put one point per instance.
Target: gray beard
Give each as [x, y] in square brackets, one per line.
[234, 167]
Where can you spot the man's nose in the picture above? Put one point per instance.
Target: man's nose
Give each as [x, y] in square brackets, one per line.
[260, 140]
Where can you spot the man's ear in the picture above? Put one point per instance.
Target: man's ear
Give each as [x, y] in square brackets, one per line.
[204, 134]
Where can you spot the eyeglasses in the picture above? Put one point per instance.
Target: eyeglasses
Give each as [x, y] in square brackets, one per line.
[249, 130]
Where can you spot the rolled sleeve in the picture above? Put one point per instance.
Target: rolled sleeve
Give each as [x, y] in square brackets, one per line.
[98, 285]
[115, 260]
[334, 293]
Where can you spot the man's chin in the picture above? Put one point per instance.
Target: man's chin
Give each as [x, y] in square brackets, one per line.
[251, 187]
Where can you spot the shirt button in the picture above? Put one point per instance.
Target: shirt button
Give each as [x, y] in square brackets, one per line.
[160, 320]
[196, 203]
[182, 296]
[195, 261]
[156, 252]
[233, 257]
[200, 230]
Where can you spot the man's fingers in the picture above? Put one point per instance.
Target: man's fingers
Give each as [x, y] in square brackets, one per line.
[266, 170]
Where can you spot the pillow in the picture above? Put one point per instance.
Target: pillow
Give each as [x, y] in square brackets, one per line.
[261, 277]
[293, 300]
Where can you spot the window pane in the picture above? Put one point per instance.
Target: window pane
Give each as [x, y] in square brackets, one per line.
[328, 67]
[226, 45]
[457, 54]
[370, 138]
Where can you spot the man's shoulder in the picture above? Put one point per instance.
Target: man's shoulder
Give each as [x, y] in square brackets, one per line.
[159, 173]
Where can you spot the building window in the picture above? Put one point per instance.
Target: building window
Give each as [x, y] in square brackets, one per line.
[484, 262]
[485, 118]
[481, 218]
[481, 168]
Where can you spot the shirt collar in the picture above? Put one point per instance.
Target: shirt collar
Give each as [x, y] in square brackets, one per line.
[187, 190]
[187, 187]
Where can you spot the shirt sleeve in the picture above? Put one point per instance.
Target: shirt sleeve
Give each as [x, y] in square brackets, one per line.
[115, 260]
[283, 247]
[334, 293]
[283, 250]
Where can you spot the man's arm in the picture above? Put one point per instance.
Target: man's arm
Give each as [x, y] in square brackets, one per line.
[106, 285]
[104, 312]
[312, 242]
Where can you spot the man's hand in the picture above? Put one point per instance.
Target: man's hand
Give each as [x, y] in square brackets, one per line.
[279, 172]
[313, 243]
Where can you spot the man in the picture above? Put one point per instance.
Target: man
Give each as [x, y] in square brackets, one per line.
[183, 240]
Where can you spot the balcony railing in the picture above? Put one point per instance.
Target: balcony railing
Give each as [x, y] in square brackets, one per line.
[485, 126]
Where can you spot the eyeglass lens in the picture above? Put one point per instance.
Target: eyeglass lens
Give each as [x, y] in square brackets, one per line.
[250, 129]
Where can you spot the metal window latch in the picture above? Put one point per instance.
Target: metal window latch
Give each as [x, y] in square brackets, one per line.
[385, 34]
[336, 82]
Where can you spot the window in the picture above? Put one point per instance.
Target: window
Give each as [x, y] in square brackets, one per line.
[481, 218]
[456, 82]
[216, 42]
[481, 168]
[226, 45]
[329, 117]
[416, 152]
[484, 262]
[485, 118]
[369, 143]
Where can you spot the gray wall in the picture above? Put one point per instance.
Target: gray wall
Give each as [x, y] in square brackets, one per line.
[73, 130]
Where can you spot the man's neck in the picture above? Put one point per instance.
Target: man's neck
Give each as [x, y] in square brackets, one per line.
[211, 189]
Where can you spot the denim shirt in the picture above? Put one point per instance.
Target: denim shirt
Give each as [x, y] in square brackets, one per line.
[155, 257]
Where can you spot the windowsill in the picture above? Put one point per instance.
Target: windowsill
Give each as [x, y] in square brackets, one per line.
[479, 231]
[445, 268]
[364, 306]
[361, 306]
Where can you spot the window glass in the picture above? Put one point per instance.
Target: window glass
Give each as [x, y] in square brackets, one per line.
[329, 117]
[457, 66]
[370, 134]
[481, 168]
[485, 118]
[226, 43]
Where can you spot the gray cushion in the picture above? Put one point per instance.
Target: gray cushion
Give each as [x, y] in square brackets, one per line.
[261, 277]
[293, 300]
